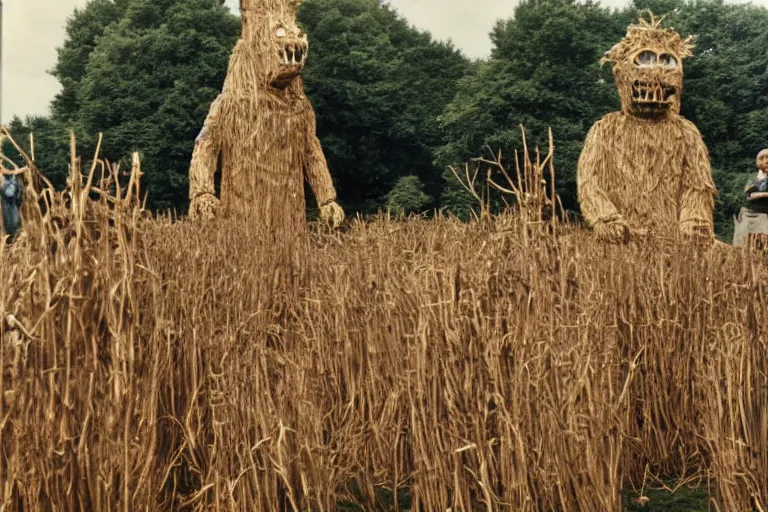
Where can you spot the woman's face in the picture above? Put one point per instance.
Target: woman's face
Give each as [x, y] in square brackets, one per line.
[762, 160]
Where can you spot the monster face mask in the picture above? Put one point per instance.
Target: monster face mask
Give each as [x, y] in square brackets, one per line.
[648, 68]
[272, 42]
[291, 51]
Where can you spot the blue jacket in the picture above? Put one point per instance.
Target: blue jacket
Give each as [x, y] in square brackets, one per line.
[11, 190]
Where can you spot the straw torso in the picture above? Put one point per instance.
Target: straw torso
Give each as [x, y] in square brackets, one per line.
[653, 173]
[264, 151]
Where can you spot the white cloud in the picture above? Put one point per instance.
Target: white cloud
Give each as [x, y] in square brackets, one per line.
[34, 28]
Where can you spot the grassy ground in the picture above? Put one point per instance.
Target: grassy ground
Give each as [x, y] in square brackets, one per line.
[683, 499]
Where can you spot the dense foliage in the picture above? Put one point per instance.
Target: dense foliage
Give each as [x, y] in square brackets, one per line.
[378, 87]
[543, 72]
[394, 107]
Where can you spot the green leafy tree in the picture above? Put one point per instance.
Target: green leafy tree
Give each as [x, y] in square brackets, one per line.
[543, 72]
[378, 87]
[48, 146]
[146, 81]
[83, 28]
[407, 196]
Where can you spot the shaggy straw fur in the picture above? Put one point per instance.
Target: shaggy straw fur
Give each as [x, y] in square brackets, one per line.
[645, 169]
[263, 128]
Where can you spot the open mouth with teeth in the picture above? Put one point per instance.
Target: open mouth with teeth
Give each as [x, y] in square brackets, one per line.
[652, 96]
[291, 57]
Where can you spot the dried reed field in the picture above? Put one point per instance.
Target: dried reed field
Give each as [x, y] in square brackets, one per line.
[507, 363]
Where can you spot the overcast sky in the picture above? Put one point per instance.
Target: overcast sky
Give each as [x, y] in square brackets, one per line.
[34, 28]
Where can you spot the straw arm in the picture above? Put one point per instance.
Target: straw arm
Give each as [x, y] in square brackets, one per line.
[596, 206]
[203, 166]
[316, 167]
[698, 197]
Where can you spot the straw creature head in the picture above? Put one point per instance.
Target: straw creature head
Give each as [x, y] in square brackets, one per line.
[272, 50]
[648, 68]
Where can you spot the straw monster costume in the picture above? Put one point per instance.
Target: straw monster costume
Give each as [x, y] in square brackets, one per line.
[646, 169]
[263, 128]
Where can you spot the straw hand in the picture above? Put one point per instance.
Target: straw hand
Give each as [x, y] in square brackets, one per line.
[332, 214]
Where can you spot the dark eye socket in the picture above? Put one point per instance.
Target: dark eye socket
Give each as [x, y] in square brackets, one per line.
[646, 58]
[668, 60]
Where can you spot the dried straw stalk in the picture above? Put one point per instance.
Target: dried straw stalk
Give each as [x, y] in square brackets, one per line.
[263, 128]
[645, 170]
[149, 365]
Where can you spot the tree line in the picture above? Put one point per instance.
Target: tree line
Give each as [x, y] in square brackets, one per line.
[395, 108]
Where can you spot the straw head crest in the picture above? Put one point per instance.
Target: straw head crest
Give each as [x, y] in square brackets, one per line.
[267, 7]
[649, 33]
